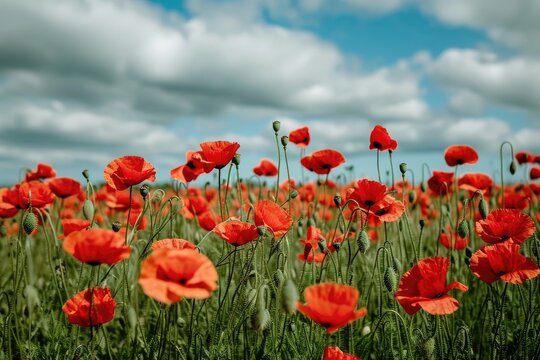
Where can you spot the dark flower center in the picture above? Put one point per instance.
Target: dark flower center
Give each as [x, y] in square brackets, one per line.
[369, 202]
[191, 165]
[326, 324]
[505, 237]
[460, 161]
[326, 166]
[182, 281]
[501, 273]
[377, 145]
[439, 295]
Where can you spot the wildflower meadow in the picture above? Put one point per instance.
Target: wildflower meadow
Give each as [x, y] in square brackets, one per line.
[114, 265]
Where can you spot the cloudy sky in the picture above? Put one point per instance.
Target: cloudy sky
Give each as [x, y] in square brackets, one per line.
[85, 81]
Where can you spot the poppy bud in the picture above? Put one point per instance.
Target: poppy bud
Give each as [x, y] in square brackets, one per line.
[260, 320]
[29, 223]
[513, 167]
[396, 264]
[294, 194]
[390, 280]
[276, 125]
[463, 229]
[483, 208]
[289, 297]
[236, 159]
[366, 330]
[252, 198]
[262, 230]
[181, 322]
[132, 317]
[88, 209]
[422, 223]
[403, 168]
[144, 190]
[336, 245]
[116, 226]
[278, 278]
[157, 196]
[299, 231]
[251, 298]
[284, 140]
[423, 186]
[467, 261]
[362, 241]
[337, 200]
[468, 252]
[353, 227]
[322, 245]
[412, 196]
[427, 349]
[86, 174]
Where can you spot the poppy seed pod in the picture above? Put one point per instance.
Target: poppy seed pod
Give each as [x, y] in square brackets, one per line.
[236, 159]
[284, 140]
[86, 174]
[276, 125]
[337, 200]
[403, 168]
[116, 226]
[29, 223]
[390, 279]
[88, 209]
[422, 223]
[289, 297]
[144, 190]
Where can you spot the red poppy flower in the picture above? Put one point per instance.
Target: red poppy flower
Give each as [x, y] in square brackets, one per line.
[323, 161]
[265, 168]
[505, 225]
[219, 152]
[43, 171]
[440, 183]
[455, 155]
[534, 173]
[450, 241]
[119, 200]
[300, 137]
[97, 246]
[195, 165]
[72, 225]
[514, 201]
[523, 157]
[178, 244]
[388, 209]
[7, 210]
[64, 187]
[331, 305]
[503, 262]
[208, 220]
[366, 194]
[168, 275]
[276, 219]
[90, 307]
[424, 287]
[335, 353]
[127, 171]
[381, 140]
[236, 232]
[475, 181]
[35, 193]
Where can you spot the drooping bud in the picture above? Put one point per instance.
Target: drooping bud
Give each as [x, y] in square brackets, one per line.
[468, 252]
[144, 190]
[157, 196]
[322, 245]
[423, 186]
[336, 245]
[116, 226]
[29, 223]
[276, 125]
[337, 200]
[412, 196]
[362, 241]
[483, 208]
[390, 279]
[463, 229]
[427, 349]
[513, 167]
[278, 278]
[252, 198]
[236, 159]
[396, 264]
[284, 140]
[260, 320]
[294, 194]
[403, 168]
[88, 209]
[289, 297]
[262, 230]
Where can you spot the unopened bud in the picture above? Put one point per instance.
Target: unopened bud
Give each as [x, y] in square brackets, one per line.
[262, 230]
[403, 168]
[289, 297]
[86, 174]
[483, 208]
[322, 245]
[29, 223]
[337, 200]
[390, 279]
[423, 186]
[116, 226]
[463, 229]
[236, 159]
[412, 196]
[276, 125]
[422, 223]
[513, 167]
[294, 194]
[362, 241]
[88, 209]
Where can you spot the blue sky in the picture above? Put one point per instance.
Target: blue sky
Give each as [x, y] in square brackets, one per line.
[83, 82]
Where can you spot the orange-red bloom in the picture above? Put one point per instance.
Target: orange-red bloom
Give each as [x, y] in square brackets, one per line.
[505, 225]
[72, 225]
[195, 165]
[323, 161]
[523, 157]
[97, 246]
[300, 137]
[43, 171]
[90, 307]
[331, 305]
[64, 187]
[265, 168]
[503, 262]
[441, 182]
[127, 171]
[236, 232]
[534, 173]
[276, 219]
[460, 154]
[424, 287]
[380, 139]
[178, 244]
[35, 193]
[219, 152]
[475, 181]
[168, 275]
[335, 353]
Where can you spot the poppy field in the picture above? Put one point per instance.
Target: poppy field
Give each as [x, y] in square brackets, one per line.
[438, 265]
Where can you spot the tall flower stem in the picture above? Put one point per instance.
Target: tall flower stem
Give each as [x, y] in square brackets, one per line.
[278, 164]
[502, 169]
